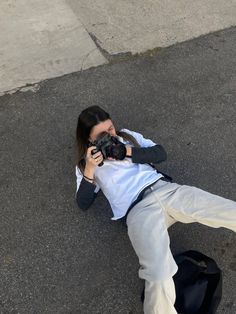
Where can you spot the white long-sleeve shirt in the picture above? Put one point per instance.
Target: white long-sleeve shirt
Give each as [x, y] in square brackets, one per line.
[121, 181]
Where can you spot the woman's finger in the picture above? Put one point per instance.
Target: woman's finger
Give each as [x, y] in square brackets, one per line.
[100, 158]
[89, 150]
[96, 155]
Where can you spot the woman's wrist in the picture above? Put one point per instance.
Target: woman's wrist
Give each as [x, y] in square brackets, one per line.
[89, 173]
[128, 151]
[88, 179]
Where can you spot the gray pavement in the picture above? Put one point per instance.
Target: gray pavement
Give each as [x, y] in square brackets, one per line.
[137, 25]
[57, 259]
[41, 40]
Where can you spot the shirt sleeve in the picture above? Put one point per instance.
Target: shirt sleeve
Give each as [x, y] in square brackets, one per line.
[86, 191]
[154, 154]
[143, 142]
[149, 152]
[79, 178]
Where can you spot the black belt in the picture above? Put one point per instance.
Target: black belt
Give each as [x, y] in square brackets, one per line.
[141, 194]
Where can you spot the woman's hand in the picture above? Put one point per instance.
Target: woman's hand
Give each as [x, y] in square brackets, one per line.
[93, 160]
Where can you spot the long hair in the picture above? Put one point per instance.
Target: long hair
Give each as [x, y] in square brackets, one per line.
[88, 118]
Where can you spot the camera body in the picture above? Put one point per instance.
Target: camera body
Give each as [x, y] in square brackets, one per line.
[109, 146]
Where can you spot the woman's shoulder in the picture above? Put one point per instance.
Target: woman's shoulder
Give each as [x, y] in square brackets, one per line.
[78, 171]
[124, 130]
[142, 141]
[129, 131]
[135, 134]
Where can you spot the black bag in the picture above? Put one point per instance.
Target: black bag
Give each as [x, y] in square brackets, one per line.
[198, 284]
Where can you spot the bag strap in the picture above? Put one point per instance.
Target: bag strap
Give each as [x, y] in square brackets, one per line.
[133, 140]
[169, 178]
[211, 266]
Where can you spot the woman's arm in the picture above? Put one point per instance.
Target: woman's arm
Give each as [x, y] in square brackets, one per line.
[142, 155]
[85, 195]
[148, 152]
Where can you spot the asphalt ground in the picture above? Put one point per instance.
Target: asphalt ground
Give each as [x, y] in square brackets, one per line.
[57, 259]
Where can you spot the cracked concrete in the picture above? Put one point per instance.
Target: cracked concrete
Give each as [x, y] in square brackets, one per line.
[41, 40]
[56, 259]
[136, 26]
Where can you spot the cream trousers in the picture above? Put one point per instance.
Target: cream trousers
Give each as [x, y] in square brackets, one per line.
[164, 204]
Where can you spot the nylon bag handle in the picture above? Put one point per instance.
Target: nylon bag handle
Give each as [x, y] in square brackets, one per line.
[211, 267]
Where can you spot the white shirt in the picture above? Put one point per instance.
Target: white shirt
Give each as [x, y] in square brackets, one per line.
[121, 181]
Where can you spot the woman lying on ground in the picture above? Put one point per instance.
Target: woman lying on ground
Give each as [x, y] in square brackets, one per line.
[147, 199]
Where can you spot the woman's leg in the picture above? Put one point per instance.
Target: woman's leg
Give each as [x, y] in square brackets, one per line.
[190, 204]
[147, 231]
[159, 297]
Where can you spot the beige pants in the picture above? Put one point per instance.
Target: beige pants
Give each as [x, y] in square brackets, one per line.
[162, 205]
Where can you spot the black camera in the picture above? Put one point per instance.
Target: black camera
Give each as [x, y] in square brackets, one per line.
[109, 146]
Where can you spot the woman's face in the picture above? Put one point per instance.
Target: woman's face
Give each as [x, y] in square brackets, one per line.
[105, 126]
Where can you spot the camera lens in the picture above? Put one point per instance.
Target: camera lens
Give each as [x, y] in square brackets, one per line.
[118, 151]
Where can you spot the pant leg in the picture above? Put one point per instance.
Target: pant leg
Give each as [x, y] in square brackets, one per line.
[190, 204]
[147, 230]
[159, 297]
